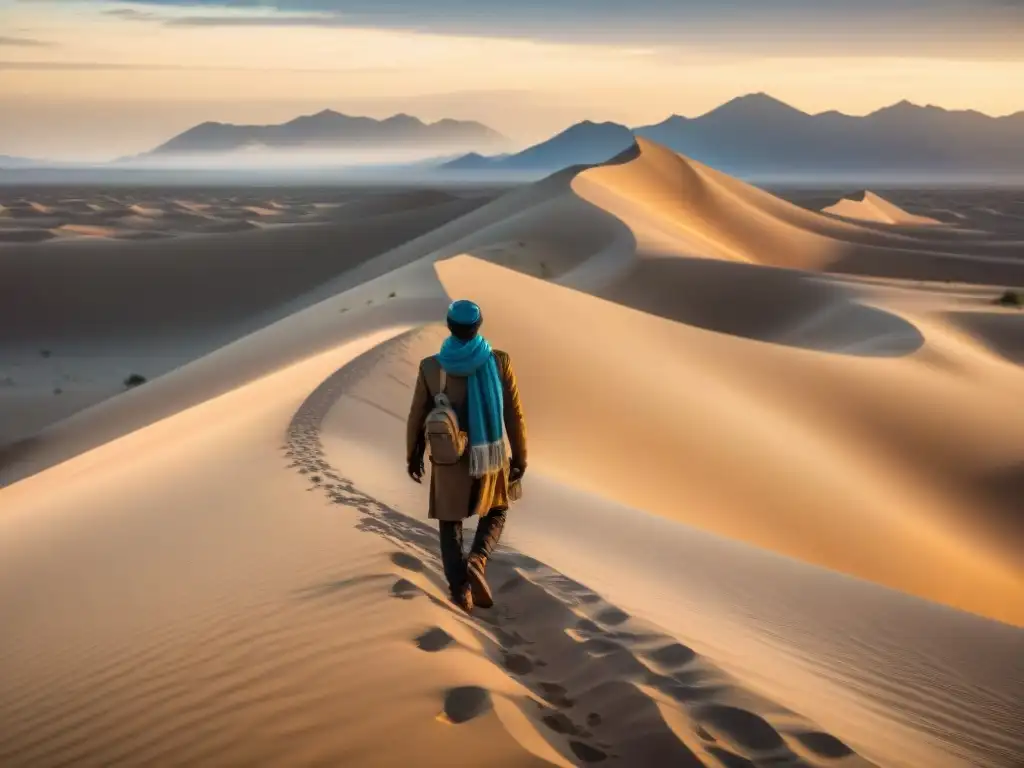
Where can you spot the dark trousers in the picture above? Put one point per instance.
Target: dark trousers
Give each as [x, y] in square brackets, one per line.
[452, 556]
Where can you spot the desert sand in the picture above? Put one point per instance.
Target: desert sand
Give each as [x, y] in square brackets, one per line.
[772, 515]
[103, 308]
[868, 206]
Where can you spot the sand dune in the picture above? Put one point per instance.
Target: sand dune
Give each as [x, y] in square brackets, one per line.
[86, 230]
[867, 206]
[27, 209]
[139, 215]
[141, 302]
[772, 514]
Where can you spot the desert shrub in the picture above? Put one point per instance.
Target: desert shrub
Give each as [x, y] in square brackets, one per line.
[134, 380]
[1010, 299]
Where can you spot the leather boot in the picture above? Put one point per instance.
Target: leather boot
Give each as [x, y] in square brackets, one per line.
[463, 597]
[476, 568]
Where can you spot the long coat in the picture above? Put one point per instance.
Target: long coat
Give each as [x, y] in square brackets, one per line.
[455, 495]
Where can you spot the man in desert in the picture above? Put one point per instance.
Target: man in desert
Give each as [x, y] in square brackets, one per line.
[480, 387]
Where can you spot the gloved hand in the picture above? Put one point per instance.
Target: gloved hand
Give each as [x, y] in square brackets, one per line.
[416, 468]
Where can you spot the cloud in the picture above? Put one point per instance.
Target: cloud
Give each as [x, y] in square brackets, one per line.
[275, 20]
[132, 14]
[107, 66]
[987, 29]
[57, 66]
[23, 42]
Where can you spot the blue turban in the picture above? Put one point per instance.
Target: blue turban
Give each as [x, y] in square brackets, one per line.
[464, 312]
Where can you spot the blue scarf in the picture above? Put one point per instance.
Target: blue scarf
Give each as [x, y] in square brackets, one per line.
[474, 359]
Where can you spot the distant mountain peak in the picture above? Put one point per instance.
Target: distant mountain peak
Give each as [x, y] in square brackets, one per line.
[403, 118]
[755, 104]
[590, 126]
[324, 115]
[759, 97]
[584, 143]
[904, 107]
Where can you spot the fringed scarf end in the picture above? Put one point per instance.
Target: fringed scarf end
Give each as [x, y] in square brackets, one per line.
[487, 459]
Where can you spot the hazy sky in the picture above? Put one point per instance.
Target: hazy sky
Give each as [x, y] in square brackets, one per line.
[91, 79]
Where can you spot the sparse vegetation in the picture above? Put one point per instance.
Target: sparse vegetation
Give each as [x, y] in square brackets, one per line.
[45, 352]
[1010, 299]
[134, 380]
[392, 295]
[58, 391]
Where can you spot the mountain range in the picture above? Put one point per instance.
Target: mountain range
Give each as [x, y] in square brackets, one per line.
[330, 130]
[753, 135]
[760, 134]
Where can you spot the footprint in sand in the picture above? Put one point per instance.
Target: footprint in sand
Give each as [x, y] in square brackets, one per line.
[555, 694]
[587, 753]
[465, 703]
[730, 760]
[518, 664]
[404, 589]
[600, 646]
[434, 640]
[559, 723]
[823, 744]
[673, 655]
[612, 617]
[407, 561]
[741, 727]
[506, 639]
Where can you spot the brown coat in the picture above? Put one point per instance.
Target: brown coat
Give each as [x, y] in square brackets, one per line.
[455, 495]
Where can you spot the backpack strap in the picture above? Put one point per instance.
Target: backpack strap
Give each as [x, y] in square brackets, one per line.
[444, 381]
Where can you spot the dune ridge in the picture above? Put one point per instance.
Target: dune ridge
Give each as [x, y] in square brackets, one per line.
[777, 553]
[875, 208]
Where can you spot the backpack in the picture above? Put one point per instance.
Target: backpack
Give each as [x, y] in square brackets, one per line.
[446, 440]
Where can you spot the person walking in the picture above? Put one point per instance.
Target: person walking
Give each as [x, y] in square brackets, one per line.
[464, 405]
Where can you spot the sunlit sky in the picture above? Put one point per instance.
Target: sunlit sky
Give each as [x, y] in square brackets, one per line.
[91, 80]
